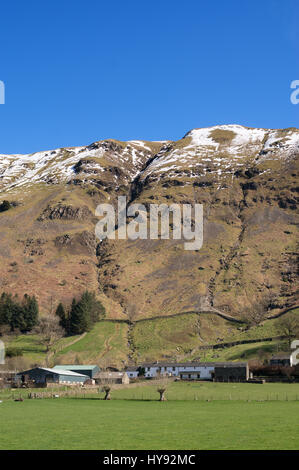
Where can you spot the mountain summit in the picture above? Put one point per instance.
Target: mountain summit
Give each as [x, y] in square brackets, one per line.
[120, 162]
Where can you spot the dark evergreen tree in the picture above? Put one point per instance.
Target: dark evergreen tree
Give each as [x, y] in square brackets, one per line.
[63, 318]
[18, 315]
[79, 318]
[85, 313]
[96, 308]
[30, 312]
[5, 310]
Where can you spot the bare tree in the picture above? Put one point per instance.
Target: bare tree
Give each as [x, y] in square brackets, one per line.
[49, 332]
[5, 330]
[258, 310]
[18, 363]
[288, 325]
[107, 390]
[51, 305]
[4, 378]
[106, 383]
[105, 378]
[162, 386]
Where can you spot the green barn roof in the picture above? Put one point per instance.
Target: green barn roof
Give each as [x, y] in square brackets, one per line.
[75, 366]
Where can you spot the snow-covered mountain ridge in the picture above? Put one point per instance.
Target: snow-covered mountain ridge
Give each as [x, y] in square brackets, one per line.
[217, 150]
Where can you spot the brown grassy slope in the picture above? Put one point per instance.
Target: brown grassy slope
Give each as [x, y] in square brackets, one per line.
[249, 251]
[53, 259]
[248, 256]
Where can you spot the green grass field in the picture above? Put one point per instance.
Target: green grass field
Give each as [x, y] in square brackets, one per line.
[120, 424]
[237, 416]
[213, 391]
[106, 340]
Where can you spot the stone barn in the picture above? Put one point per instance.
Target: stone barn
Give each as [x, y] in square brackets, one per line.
[231, 372]
[112, 378]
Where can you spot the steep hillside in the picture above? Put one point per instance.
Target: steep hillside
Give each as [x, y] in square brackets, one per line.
[247, 180]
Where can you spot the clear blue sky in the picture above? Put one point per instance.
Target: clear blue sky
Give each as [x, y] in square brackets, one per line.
[80, 71]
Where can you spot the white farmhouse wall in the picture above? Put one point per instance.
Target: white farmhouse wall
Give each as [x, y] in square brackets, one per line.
[133, 374]
[204, 371]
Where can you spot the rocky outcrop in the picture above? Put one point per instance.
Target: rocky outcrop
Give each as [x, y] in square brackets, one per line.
[65, 212]
[84, 243]
[34, 246]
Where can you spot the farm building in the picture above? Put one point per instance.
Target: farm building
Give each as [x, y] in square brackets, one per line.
[231, 372]
[204, 369]
[90, 370]
[132, 372]
[282, 359]
[189, 375]
[112, 377]
[43, 376]
[196, 370]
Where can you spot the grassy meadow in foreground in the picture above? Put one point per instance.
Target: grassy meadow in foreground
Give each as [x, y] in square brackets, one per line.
[91, 423]
[196, 416]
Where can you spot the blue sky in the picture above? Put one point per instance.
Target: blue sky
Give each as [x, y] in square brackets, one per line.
[80, 71]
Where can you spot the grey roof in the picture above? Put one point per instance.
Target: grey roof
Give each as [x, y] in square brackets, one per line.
[231, 364]
[58, 372]
[109, 375]
[281, 356]
[193, 364]
[75, 367]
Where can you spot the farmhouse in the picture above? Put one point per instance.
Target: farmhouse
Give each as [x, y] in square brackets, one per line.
[199, 370]
[204, 369]
[112, 377]
[43, 376]
[90, 370]
[132, 372]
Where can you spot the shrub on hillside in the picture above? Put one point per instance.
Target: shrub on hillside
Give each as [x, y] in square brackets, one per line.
[13, 352]
[5, 206]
